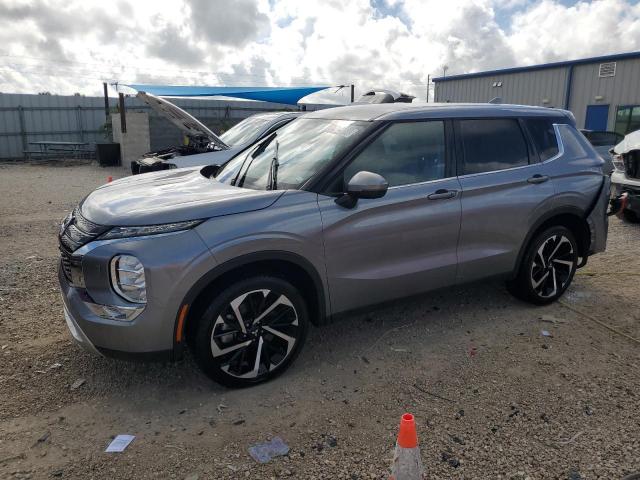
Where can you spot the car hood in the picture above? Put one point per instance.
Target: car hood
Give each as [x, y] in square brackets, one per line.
[181, 119]
[170, 196]
[630, 142]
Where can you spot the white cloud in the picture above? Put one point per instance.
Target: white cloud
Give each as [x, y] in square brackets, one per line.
[73, 45]
[548, 31]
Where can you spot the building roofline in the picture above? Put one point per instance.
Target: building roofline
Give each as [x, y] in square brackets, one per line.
[542, 66]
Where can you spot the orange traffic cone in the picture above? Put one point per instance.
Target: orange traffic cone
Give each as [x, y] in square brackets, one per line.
[407, 464]
[109, 179]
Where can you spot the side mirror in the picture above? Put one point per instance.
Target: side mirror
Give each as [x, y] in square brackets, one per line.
[363, 185]
[209, 170]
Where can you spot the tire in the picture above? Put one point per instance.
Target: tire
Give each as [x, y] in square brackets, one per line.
[235, 350]
[547, 268]
[630, 216]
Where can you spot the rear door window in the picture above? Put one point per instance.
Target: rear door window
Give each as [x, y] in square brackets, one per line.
[543, 136]
[492, 144]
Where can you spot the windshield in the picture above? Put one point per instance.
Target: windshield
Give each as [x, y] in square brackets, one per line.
[246, 130]
[303, 147]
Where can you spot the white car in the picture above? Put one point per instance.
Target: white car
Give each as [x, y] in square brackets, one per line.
[625, 179]
[205, 147]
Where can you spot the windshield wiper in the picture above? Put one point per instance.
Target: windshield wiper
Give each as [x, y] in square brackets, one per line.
[273, 170]
[257, 151]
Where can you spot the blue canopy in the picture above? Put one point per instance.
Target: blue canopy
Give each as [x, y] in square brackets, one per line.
[288, 95]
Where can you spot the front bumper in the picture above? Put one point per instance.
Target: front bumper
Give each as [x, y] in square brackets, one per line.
[173, 263]
[76, 332]
[622, 184]
[110, 338]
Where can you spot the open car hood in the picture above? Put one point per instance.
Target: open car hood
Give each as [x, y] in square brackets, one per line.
[630, 142]
[181, 119]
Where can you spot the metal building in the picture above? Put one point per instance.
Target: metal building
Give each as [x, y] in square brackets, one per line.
[602, 92]
[27, 118]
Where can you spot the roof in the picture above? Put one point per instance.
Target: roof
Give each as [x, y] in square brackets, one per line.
[542, 66]
[414, 111]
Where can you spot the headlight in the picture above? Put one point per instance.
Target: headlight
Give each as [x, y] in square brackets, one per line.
[127, 278]
[124, 232]
[618, 162]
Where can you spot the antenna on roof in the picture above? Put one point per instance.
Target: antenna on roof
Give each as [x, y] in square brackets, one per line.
[496, 100]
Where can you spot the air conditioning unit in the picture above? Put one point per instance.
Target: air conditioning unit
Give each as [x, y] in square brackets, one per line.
[607, 69]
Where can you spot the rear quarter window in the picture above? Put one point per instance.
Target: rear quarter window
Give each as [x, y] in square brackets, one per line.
[574, 143]
[543, 136]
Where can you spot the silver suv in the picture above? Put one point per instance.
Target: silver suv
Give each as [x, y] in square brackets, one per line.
[340, 209]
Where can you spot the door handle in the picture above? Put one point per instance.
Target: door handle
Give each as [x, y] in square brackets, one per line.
[537, 178]
[442, 194]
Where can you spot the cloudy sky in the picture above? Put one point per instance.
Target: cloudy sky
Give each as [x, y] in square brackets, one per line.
[68, 46]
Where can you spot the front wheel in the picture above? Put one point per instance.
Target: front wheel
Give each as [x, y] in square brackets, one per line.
[252, 331]
[547, 268]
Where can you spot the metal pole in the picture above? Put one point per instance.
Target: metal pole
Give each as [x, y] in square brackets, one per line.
[23, 131]
[80, 125]
[567, 89]
[352, 93]
[428, 85]
[123, 118]
[106, 101]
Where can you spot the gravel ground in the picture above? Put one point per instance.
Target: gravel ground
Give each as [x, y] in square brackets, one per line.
[492, 397]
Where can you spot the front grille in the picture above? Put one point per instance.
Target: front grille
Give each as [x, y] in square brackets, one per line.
[86, 225]
[79, 232]
[66, 264]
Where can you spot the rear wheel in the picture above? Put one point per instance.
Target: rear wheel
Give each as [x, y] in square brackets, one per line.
[252, 331]
[548, 267]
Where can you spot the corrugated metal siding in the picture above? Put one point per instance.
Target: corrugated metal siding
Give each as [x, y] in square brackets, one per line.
[77, 118]
[621, 89]
[526, 88]
[532, 87]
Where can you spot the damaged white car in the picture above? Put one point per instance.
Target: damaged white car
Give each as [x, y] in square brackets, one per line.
[205, 147]
[625, 179]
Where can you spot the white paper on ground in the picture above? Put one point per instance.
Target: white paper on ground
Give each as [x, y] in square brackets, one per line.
[119, 443]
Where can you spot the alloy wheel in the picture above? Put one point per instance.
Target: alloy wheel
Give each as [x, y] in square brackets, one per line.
[552, 266]
[254, 333]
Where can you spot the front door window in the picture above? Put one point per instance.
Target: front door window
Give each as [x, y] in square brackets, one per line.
[405, 153]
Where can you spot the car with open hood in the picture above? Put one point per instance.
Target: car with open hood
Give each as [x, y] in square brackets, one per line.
[625, 179]
[340, 209]
[203, 146]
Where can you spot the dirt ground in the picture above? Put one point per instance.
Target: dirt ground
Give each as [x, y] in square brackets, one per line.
[493, 398]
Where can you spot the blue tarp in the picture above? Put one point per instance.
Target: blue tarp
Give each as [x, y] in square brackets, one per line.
[288, 95]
